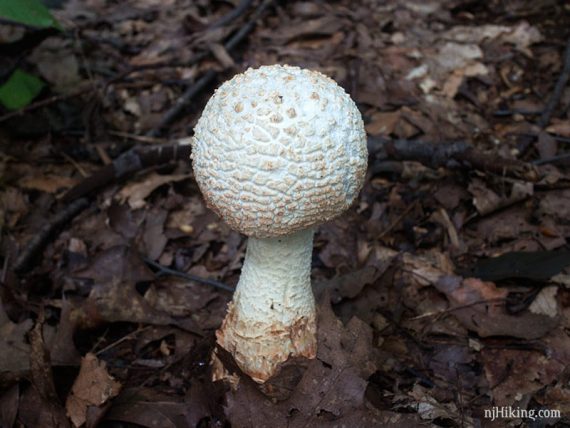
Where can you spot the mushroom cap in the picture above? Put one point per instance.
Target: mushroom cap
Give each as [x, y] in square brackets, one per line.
[279, 149]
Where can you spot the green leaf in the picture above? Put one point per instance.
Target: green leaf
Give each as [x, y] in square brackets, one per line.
[19, 90]
[28, 12]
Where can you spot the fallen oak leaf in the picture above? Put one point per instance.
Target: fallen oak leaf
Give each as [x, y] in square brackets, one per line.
[14, 358]
[348, 285]
[324, 26]
[480, 306]
[545, 302]
[9, 403]
[42, 378]
[15, 355]
[148, 408]
[331, 391]
[92, 387]
[560, 128]
[48, 183]
[114, 297]
[136, 193]
[514, 373]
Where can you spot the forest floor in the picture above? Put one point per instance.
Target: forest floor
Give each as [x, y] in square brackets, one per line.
[444, 292]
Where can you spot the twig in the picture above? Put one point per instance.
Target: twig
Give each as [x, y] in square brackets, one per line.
[140, 138]
[558, 89]
[163, 270]
[246, 29]
[40, 240]
[73, 162]
[552, 101]
[398, 219]
[451, 155]
[553, 159]
[122, 339]
[455, 155]
[182, 103]
[438, 314]
[46, 102]
[503, 113]
[5, 267]
[235, 13]
[6, 21]
[126, 164]
[558, 138]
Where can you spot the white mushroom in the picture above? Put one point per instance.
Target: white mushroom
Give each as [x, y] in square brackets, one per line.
[277, 151]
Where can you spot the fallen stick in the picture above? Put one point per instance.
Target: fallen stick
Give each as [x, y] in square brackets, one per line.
[125, 165]
[182, 103]
[553, 101]
[163, 270]
[558, 89]
[234, 14]
[40, 240]
[454, 155]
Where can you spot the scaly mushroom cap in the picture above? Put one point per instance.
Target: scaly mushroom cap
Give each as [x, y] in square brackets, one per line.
[279, 149]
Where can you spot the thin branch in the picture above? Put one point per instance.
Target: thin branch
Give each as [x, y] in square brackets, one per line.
[234, 14]
[558, 89]
[36, 245]
[174, 113]
[182, 103]
[163, 270]
[46, 102]
[552, 102]
[9, 22]
[553, 159]
[451, 155]
[127, 164]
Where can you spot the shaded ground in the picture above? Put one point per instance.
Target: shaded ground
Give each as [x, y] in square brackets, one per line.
[93, 329]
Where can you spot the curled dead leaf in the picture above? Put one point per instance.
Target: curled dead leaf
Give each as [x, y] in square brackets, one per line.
[92, 387]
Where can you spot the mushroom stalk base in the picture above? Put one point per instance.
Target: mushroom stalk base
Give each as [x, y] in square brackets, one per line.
[272, 316]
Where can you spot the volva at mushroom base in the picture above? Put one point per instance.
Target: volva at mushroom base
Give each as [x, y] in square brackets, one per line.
[277, 151]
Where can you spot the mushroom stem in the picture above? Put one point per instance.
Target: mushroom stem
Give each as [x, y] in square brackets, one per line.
[272, 316]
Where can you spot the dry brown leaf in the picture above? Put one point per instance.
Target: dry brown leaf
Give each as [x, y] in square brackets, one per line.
[557, 397]
[453, 82]
[13, 205]
[383, 123]
[57, 63]
[324, 26]
[547, 145]
[484, 199]
[153, 237]
[136, 193]
[556, 204]
[148, 408]
[348, 285]
[560, 128]
[514, 373]
[545, 302]
[9, 401]
[47, 183]
[430, 408]
[480, 307]
[14, 358]
[114, 297]
[521, 35]
[331, 390]
[92, 387]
